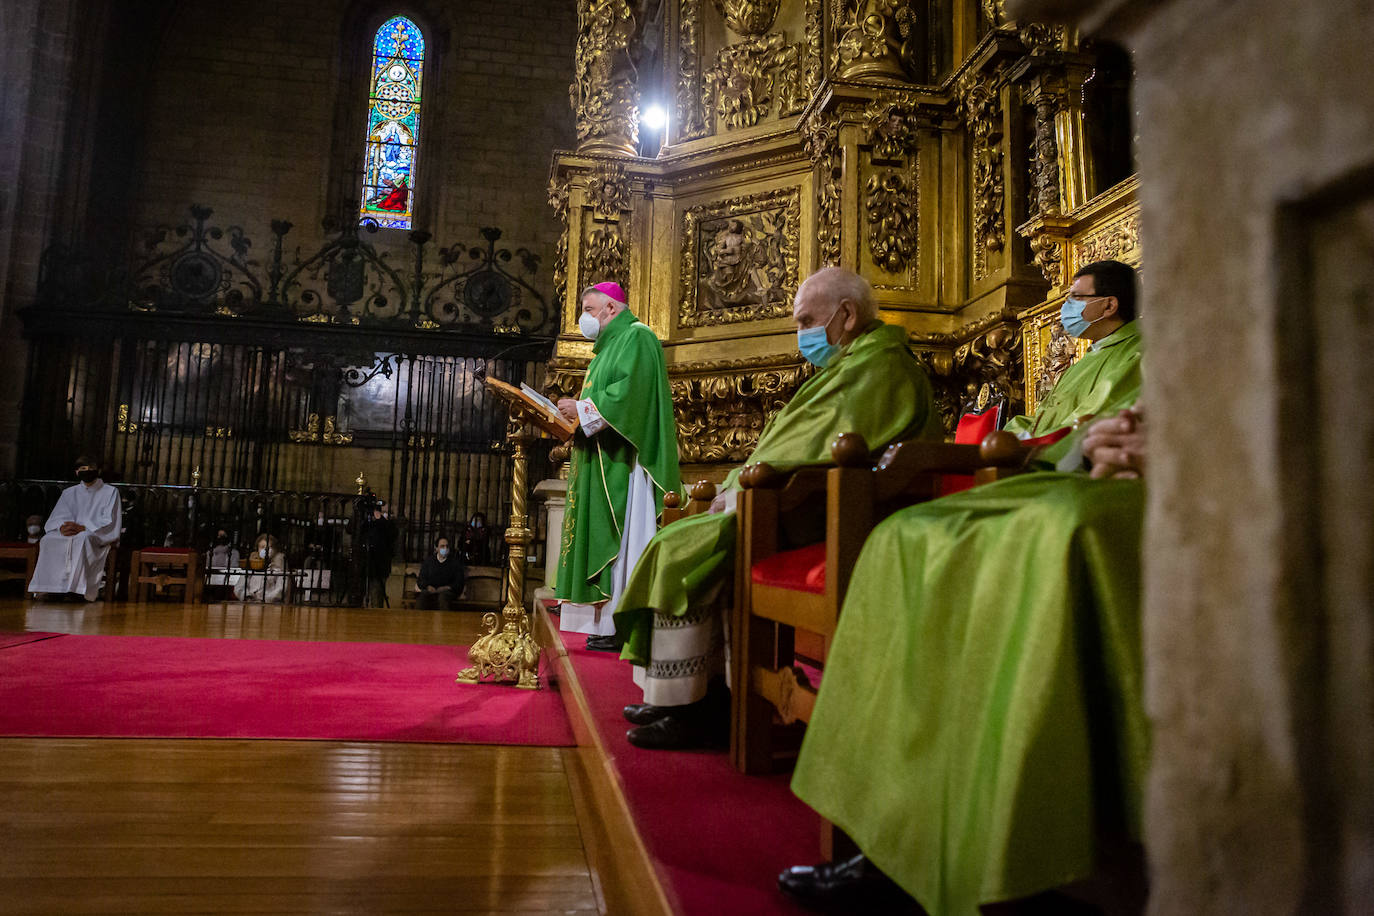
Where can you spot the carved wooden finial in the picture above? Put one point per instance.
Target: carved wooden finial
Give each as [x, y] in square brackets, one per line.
[762, 476]
[703, 490]
[672, 499]
[1000, 448]
[849, 450]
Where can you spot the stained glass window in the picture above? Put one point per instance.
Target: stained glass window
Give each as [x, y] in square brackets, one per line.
[393, 124]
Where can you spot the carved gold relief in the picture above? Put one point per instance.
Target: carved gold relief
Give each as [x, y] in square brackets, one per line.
[991, 357]
[691, 120]
[811, 47]
[604, 94]
[890, 130]
[890, 203]
[1042, 36]
[1044, 183]
[1119, 240]
[823, 146]
[604, 256]
[739, 258]
[875, 38]
[608, 191]
[982, 108]
[995, 11]
[1049, 352]
[723, 405]
[752, 78]
[558, 199]
[1049, 257]
[750, 18]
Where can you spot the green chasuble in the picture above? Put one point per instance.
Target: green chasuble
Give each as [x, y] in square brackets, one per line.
[873, 386]
[1106, 379]
[628, 382]
[981, 714]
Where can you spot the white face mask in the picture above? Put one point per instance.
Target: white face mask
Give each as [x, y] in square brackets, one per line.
[35, 529]
[588, 325]
[262, 552]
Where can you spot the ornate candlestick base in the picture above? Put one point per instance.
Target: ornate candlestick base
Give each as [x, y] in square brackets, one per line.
[507, 651]
[509, 654]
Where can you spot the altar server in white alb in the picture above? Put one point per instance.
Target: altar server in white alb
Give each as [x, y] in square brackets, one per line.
[83, 525]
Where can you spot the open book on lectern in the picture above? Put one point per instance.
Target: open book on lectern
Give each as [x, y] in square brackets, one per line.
[542, 412]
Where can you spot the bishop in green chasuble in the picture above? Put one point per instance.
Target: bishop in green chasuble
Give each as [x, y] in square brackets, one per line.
[623, 461]
[980, 722]
[668, 618]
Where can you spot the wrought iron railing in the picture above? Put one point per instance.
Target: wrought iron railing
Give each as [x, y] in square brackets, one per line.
[317, 532]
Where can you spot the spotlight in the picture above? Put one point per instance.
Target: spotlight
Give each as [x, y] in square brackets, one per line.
[655, 117]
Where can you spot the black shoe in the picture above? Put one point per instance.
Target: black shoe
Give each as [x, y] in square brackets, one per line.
[644, 714]
[849, 886]
[674, 732]
[603, 644]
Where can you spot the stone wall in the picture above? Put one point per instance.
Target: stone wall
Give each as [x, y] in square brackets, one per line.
[250, 104]
[1256, 152]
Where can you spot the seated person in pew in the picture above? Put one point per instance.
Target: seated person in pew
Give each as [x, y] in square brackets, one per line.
[79, 533]
[669, 620]
[265, 578]
[33, 528]
[1101, 308]
[980, 731]
[441, 578]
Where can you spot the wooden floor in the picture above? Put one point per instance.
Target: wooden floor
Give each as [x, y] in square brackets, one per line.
[152, 826]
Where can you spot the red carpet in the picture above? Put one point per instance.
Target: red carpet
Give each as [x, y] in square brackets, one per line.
[718, 837]
[155, 687]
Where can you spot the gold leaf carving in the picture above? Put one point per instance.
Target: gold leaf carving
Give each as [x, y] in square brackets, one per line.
[603, 256]
[604, 94]
[689, 106]
[739, 258]
[982, 108]
[723, 405]
[1119, 241]
[890, 201]
[822, 145]
[558, 199]
[752, 78]
[750, 18]
[608, 191]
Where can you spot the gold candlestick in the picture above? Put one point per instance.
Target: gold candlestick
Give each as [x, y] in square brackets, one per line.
[507, 652]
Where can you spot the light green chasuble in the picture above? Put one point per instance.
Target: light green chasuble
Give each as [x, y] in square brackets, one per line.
[874, 386]
[980, 715]
[627, 381]
[1106, 379]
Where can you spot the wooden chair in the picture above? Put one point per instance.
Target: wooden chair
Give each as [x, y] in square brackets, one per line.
[699, 497]
[160, 567]
[20, 551]
[781, 590]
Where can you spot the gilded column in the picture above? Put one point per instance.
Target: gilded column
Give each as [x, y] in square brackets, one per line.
[605, 97]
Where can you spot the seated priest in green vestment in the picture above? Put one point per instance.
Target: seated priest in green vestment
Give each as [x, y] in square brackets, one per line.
[624, 458]
[980, 730]
[1100, 308]
[670, 616]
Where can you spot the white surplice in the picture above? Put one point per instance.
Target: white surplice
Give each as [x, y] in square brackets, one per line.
[77, 563]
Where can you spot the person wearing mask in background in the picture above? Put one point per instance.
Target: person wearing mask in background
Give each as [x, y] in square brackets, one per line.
[80, 531]
[265, 578]
[34, 529]
[441, 578]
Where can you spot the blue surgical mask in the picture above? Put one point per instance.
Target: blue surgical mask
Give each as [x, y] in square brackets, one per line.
[443, 553]
[1071, 316]
[815, 346]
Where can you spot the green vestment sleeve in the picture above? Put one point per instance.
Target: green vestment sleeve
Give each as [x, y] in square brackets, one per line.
[1106, 379]
[874, 387]
[627, 382]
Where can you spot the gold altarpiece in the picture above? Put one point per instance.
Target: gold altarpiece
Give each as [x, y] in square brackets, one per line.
[938, 148]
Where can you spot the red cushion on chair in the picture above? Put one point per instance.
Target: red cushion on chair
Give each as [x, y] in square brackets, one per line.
[973, 428]
[18, 544]
[801, 570]
[168, 551]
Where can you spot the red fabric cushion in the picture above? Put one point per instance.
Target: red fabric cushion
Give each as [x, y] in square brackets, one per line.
[15, 544]
[973, 428]
[801, 570]
[168, 551]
